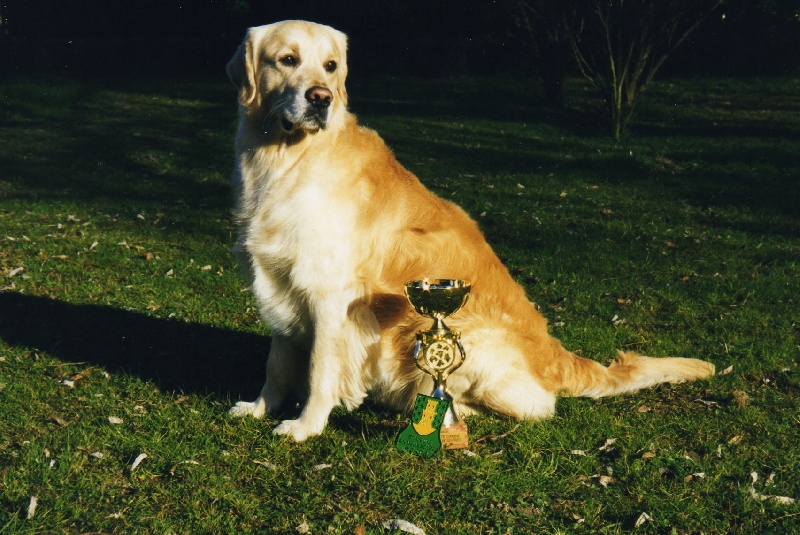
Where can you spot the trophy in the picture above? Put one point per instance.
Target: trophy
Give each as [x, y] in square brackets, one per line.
[438, 352]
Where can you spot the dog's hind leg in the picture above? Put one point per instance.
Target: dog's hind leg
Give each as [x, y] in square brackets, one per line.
[283, 370]
[519, 396]
[495, 376]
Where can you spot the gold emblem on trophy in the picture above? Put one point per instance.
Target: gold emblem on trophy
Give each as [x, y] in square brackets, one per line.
[438, 351]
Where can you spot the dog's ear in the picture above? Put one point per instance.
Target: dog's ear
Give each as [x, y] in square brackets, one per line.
[341, 44]
[242, 69]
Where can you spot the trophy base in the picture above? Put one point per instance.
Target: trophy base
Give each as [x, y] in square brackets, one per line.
[455, 436]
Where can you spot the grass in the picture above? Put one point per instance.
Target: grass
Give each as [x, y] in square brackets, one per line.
[125, 328]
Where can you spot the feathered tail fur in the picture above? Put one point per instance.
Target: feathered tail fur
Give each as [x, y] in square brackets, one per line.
[628, 373]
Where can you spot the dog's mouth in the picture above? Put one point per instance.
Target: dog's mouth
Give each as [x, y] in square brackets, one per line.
[311, 121]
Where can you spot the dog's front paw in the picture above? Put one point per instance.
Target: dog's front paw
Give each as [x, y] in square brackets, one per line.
[295, 430]
[245, 408]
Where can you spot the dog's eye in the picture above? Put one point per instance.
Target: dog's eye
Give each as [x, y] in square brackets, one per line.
[330, 66]
[289, 61]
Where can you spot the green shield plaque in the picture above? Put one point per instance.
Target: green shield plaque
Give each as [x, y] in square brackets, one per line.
[421, 436]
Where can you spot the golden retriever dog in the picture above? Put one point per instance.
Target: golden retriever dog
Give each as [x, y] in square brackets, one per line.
[331, 227]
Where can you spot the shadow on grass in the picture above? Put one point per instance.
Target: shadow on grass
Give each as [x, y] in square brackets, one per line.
[176, 356]
[112, 142]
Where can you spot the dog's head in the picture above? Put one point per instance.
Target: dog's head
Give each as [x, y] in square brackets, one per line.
[293, 74]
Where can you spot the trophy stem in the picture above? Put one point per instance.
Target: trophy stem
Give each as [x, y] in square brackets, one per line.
[438, 325]
[451, 416]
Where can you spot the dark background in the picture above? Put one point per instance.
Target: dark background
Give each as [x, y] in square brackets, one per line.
[422, 37]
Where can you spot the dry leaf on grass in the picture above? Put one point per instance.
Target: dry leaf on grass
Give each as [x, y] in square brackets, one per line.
[141, 457]
[403, 525]
[81, 374]
[34, 503]
[643, 518]
[696, 475]
[783, 500]
[735, 440]
[707, 403]
[175, 467]
[726, 371]
[609, 445]
[604, 481]
[59, 421]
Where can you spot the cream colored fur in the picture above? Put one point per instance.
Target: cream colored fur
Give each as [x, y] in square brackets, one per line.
[331, 226]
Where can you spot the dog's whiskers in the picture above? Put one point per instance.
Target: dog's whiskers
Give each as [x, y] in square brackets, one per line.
[274, 112]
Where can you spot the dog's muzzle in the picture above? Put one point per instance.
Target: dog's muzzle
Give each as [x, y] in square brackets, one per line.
[316, 109]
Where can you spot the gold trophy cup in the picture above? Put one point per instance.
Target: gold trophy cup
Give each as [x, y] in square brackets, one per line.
[438, 351]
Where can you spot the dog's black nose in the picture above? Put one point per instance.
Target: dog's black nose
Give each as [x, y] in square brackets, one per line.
[319, 96]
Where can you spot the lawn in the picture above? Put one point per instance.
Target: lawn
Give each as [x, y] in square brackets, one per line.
[126, 330]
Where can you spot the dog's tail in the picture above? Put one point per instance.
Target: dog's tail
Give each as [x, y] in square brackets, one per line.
[628, 373]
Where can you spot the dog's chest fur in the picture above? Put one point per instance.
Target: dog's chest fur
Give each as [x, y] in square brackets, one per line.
[299, 236]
